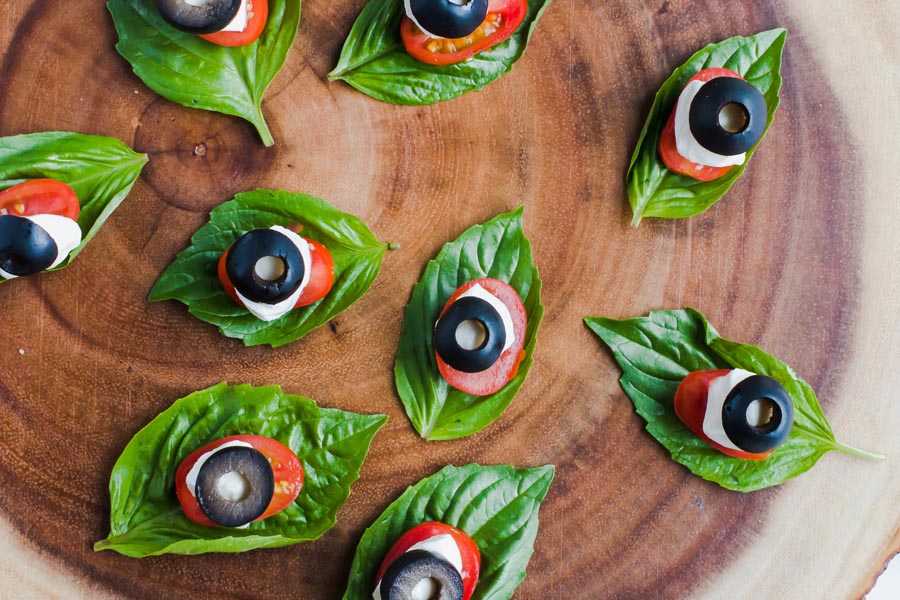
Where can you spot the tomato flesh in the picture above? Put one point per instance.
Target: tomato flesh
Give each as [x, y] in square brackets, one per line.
[502, 20]
[507, 365]
[690, 406]
[468, 550]
[321, 276]
[668, 149]
[258, 11]
[285, 466]
[40, 197]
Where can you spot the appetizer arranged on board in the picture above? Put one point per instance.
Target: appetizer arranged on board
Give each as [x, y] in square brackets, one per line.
[233, 468]
[287, 263]
[705, 123]
[425, 51]
[428, 544]
[45, 222]
[729, 412]
[470, 330]
[218, 55]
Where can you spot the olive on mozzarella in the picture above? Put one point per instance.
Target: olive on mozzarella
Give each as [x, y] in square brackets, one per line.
[428, 570]
[233, 485]
[34, 243]
[718, 121]
[204, 16]
[447, 18]
[474, 331]
[269, 269]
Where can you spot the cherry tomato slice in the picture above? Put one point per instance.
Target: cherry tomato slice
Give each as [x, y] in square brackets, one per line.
[471, 557]
[259, 14]
[40, 197]
[668, 150]
[321, 276]
[502, 20]
[506, 367]
[690, 406]
[285, 465]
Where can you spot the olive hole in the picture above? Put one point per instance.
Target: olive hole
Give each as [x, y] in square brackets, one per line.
[471, 334]
[762, 415]
[197, 2]
[269, 269]
[233, 487]
[426, 589]
[733, 117]
[460, 2]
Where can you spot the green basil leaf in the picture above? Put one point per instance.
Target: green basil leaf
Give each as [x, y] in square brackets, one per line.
[497, 506]
[654, 190]
[101, 170]
[193, 278]
[656, 352]
[496, 249]
[375, 62]
[146, 518]
[195, 73]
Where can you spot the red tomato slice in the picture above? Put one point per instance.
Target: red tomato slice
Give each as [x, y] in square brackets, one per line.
[285, 465]
[668, 151]
[40, 197]
[259, 14]
[321, 276]
[502, 20]
[506, 367]
[690, 406]
[471, 557]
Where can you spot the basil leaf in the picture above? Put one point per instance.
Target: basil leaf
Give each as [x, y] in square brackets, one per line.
[654, 190]
[497, 506]
[375, 62]
[658, 351]
[193, 278]
[146, 518]
[101, 170]
[496, 249]
[187, 69]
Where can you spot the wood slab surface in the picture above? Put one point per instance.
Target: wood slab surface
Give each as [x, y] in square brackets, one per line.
[800, 257]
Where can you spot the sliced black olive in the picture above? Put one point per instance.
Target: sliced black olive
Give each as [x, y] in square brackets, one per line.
[448, 18]
[728, 116]
[25, 247]
[485, 317]
[776, 411]
[235, 486]
[198, 16]
[414, 567]
[266, 245]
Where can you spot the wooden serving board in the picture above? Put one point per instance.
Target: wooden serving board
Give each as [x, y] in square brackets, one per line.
[799, 258]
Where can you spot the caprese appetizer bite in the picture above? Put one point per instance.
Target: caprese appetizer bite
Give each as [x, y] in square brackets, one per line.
[718, 117]
[445, 32]
[38, 226]
[737, 412]
[223, 22]
[479, 337]
[272, 271]
[237, 480]
[431, 561]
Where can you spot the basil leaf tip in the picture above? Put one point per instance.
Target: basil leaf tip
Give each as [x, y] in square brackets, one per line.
[654, 190]
[496, 249]
[657, 351]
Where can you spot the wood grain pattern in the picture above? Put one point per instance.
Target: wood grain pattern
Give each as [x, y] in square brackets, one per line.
[795, 259]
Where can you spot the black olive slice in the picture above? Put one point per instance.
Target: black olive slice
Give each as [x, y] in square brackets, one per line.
[448, 18]
[414, 567]
[485, 317]
[728, 116]
[198, 16]
[776, 409]
[245, 259]
[235, 486]
[25, 247]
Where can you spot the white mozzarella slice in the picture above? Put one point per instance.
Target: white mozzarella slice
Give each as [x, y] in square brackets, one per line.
[270, 312]
[479, 292]
[719, 388]
[65, 233]
[240, 20]
[685, 142]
